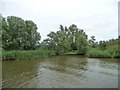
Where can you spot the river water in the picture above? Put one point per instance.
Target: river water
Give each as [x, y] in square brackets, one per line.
[61, 72]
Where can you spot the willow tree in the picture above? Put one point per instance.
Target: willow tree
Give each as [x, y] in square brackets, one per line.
[68, 39]
[18, 34]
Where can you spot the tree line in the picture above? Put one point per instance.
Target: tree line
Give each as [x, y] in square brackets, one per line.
[19, 34]
[112, 46]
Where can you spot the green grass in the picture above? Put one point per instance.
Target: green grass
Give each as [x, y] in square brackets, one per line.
[40, 53]
[96, 53]
[30, 54]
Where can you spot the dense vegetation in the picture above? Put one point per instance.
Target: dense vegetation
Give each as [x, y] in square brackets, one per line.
[20, 39]
[25, 54]
[67, 39]
[109, 48]
[18, 34]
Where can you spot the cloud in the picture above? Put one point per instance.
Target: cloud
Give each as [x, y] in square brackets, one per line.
[96, 17]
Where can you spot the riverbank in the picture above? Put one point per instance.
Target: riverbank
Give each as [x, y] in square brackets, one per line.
[97, 53]
[30, 54]
[36, 54]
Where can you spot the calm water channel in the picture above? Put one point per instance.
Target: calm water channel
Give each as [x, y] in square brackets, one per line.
[61, 72]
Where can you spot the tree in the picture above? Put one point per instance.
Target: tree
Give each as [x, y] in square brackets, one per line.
[68, 39]
[6, 38]
[16, 27]
[18, 34]
[102, 45]
[33, 36]
[81, 42]
[92, 42]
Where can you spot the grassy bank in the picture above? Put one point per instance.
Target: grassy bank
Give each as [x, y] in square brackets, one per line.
[71, 53]
[97, 53]
[31, 54]
[36, 54]
[93, 53]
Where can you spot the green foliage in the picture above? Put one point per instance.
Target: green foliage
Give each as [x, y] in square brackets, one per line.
[108, 48]
[92, 42]
[30, 54]
[21, 35]
[111, 46]
[99, 53]
[18, 34]
[72, 52]
[67, 39]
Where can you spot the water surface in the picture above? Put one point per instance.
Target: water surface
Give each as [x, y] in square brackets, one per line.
[61, 72]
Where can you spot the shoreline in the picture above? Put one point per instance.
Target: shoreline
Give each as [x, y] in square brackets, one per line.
[37, 54]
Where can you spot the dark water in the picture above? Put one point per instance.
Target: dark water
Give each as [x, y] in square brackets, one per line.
[61, 72]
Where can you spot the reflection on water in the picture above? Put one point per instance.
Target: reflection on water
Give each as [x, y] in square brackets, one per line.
[61, 72]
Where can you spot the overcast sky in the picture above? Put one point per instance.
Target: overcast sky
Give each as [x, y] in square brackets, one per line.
[96, 17]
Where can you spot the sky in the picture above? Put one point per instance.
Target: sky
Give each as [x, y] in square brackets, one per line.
[95, 17]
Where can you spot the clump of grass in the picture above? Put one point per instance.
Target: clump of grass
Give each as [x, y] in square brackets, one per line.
[30, 54]
[96, 53]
